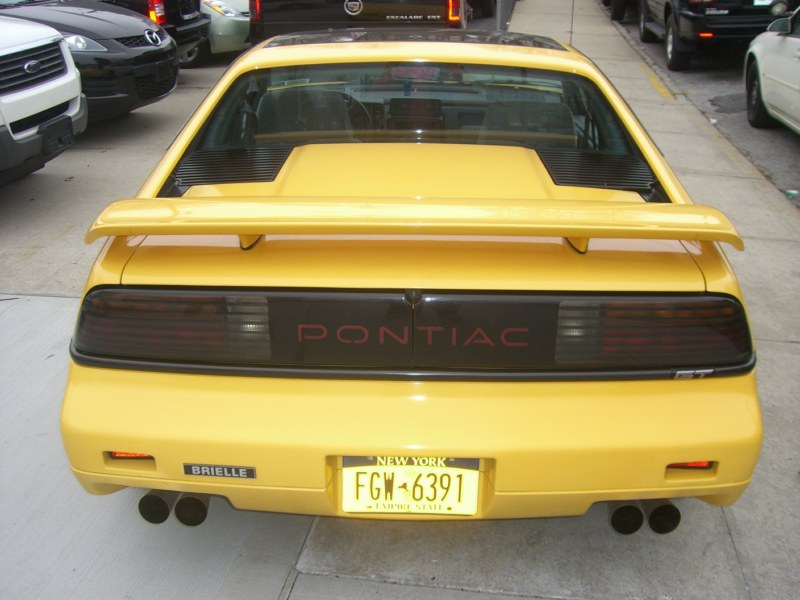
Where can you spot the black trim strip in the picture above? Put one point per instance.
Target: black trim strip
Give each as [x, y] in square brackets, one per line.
[396, 375]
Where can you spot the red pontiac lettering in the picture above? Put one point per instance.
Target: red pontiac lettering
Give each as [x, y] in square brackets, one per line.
[359, 329]
[302, 328]
[479, 337]
[385, 331]
[429, 329]
[510, 337]
[511, 331]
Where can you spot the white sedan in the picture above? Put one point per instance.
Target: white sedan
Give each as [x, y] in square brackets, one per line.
[229, 30]
[772, 75]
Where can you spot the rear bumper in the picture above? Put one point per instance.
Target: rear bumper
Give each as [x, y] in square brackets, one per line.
[260, 31]
[545, 449]
[189, 35]
[724, 27]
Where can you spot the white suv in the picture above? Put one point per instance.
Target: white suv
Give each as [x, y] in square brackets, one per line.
[41, 105]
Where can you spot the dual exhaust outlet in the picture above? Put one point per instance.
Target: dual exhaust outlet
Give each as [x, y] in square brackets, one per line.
[627, 517]
[190, 509]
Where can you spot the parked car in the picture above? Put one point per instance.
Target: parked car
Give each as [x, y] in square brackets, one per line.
[686, 24]
[413, 274]
[229, 31]
[617, 8]
[41, 105]
[125, 60]
[181, 19]
[772, 75]
[271, 17]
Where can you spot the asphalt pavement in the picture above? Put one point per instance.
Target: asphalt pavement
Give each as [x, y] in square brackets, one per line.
[60, 542]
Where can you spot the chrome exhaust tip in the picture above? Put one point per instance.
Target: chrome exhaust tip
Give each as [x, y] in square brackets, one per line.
[156, 505]
[662, 515]
[192, 509]
[625, 517]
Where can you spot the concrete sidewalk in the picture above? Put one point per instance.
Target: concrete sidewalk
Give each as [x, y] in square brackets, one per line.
[61, 543]
[764, 526]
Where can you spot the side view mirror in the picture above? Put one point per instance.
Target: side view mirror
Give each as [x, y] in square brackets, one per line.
[781, 26]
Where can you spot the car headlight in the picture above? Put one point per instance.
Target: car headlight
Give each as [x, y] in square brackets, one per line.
[80, 43]
[779, 8]
[222, 8]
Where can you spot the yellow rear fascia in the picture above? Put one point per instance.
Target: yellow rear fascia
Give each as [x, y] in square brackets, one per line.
[577, 221]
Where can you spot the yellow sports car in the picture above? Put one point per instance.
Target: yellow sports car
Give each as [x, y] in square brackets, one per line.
[413, 275]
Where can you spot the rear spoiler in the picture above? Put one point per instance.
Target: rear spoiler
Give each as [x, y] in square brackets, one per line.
[250, 218]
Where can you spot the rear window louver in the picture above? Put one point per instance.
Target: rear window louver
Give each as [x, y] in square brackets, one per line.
[231, 165]
[586, 169]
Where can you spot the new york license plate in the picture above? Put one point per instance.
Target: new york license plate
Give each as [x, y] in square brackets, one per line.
[406, 484]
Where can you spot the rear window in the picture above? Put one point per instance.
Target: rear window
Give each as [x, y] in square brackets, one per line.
[265, 114]
[415, 102]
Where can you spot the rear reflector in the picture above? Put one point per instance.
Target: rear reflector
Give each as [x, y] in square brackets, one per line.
[700, 464]
[129, 455]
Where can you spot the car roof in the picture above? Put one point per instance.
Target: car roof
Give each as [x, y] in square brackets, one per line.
[393, 44]
[333, 36]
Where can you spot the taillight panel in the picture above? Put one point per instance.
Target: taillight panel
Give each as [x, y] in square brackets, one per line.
[255, 11]
[453, 10]
[414, 333]
[157, 12]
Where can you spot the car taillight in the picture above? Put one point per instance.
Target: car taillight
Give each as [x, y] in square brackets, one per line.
[157, 12]
[193, 327]
[520, 334]
[640, 333]
[255, 11]
[453, 10]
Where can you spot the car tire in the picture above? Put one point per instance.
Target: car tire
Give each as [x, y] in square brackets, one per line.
[677, 60]
[645, 35]
[196, 57]
[618, 9]
[757, 114]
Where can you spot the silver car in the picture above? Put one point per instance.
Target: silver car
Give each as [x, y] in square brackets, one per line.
[229, 31]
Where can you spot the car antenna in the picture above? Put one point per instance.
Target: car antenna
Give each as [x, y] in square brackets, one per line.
[572, 23]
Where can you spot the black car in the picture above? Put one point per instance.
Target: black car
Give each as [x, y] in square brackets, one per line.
[181, 19]
[685, 24]
[272, 17]
[125, 60]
